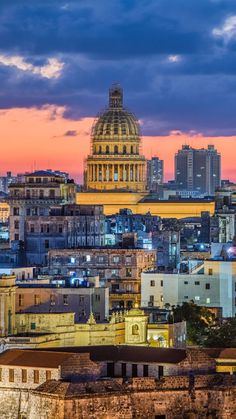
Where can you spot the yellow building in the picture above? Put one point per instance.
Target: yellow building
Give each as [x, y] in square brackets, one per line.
[59, 329]
[115, 161]
[4, 212]
[141, 203]
[7, 305]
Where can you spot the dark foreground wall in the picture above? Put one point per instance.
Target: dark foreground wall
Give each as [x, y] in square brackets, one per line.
[173, 397]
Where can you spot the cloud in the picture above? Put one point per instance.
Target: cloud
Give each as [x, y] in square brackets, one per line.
[51, 70]
[70, 133]
[174, 58]
[227, 30]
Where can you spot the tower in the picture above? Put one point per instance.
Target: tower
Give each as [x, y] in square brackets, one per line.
[115, 162]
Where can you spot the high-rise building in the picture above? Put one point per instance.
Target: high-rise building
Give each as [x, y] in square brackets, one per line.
[154, 173]
[198, 169]
[115, 162]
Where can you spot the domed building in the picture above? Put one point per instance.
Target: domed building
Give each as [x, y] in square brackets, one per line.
[115, 162]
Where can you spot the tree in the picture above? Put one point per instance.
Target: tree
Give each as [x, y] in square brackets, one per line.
[222, 335]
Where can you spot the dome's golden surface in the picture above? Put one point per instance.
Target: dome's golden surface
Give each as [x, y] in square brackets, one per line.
[115, 162]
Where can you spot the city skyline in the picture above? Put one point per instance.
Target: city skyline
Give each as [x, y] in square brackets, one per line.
[59, 146]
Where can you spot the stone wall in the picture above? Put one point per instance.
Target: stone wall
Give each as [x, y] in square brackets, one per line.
[211, 396]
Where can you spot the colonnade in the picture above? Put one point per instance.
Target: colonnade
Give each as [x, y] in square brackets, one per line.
[109, 172]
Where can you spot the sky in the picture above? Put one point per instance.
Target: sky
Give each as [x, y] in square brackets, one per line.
[175, 59]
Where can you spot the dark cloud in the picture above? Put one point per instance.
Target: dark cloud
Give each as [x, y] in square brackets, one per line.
[70, 133]
[129, 41]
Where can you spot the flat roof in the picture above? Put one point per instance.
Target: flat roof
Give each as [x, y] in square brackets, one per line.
[127, 353]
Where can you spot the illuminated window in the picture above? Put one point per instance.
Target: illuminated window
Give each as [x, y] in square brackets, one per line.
[210, 271]
[88, 258]
[208, 300]
[197, 298]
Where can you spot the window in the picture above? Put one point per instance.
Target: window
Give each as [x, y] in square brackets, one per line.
[88, 258]
[48, 375]
[21, 300]
[128, 272]
[11, 375]
[97, 297]
[16, 224]
[52, 193]
[161, 298]
[41, 193]
[97, 316]
[17, 236]
[36, 299]
[210, 271]
[24, 376]
[197, 283]
[208, 300]
[0, 374]
[16, 211]
[151, 298]
[134, 370]
[186, 297]
[36, 376]
[81, 299]
[46, 244]
[128, 259]
[52, 300]
[161, 283]
[152, 283]
[65, 300]
[60, 228]
[197, 298]
[207, 286]
[116, 259]
[32, 228]
[145, 370]
[33, 326]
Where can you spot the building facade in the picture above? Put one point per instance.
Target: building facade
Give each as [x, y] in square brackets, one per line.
[120, 269]
[212, 285]
[34, 195]
[198, 169]
[155, 174]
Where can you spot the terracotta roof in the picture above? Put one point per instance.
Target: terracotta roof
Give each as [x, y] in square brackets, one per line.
[221, 353]
[28, 358]
[127, 353]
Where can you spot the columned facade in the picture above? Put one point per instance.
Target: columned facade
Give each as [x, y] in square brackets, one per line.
[115, 161]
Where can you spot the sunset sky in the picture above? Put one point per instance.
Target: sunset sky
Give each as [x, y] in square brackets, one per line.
[174, 58]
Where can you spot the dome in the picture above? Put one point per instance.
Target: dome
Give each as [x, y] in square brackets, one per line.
[116, 122]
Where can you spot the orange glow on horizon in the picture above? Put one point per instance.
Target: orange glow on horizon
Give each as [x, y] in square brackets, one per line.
[35, 139]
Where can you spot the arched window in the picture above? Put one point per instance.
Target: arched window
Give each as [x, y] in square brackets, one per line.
[131, 150]
[135, 330]
[124, 149]
[116, 149]
[107, 149]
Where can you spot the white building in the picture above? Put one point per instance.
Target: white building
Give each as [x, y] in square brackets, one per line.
[212, 285]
